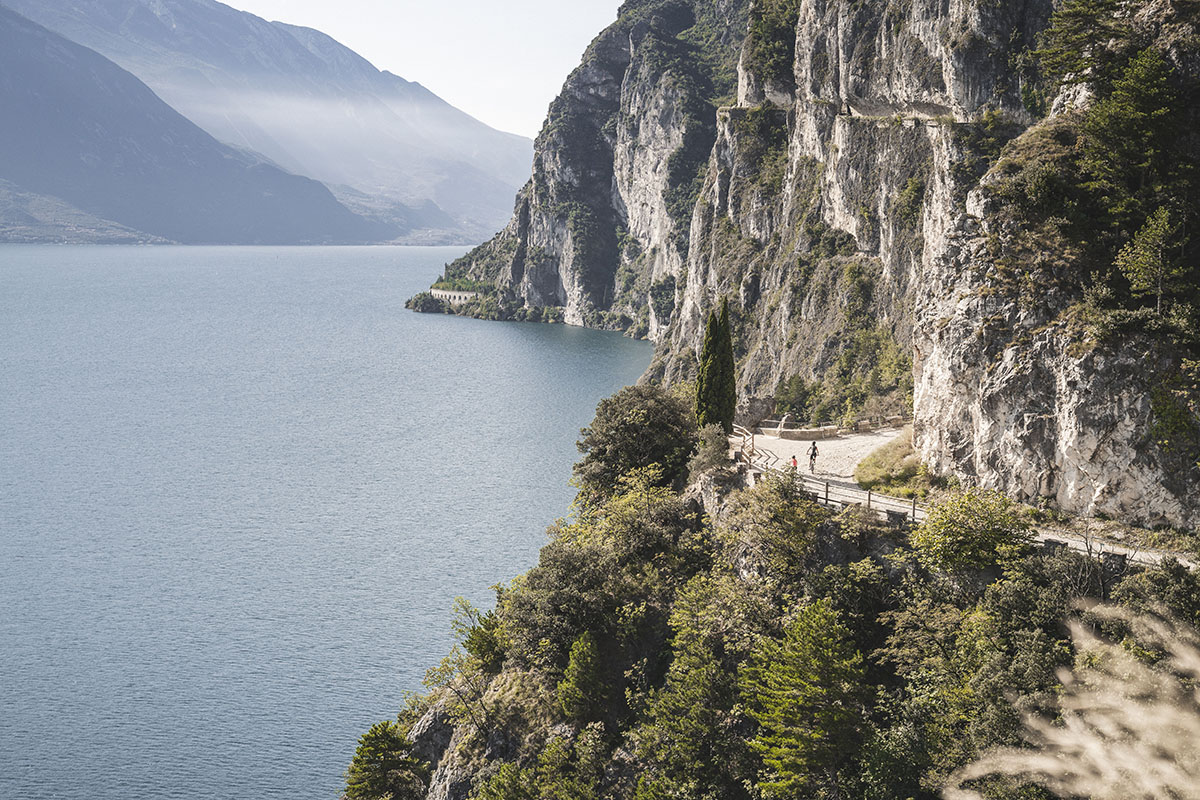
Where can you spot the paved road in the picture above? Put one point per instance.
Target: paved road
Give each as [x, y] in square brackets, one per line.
[834, 486]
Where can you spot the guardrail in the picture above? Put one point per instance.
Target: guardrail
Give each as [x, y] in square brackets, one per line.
[898, 511]
[832, 494]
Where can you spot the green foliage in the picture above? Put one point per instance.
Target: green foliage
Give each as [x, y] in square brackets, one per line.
[426, 303]
[706, 678]
[712, 454]
[805, 693]
[716, 386]
[562, 770]
[1175, 408]
[969, 531]
[871, 365]
[792, 396]
[460, 283]
[662, 298]
[895, 469]
[1131, 143]
[692, 732]
[580, 692]
[481, 635]
[771, 44]
[384, 769]
[910, 201]
[1102, 203]
[1169, 587]
[509, 783]
[1077, 44]
[1146, 261]
[636, 427]
[776, 522]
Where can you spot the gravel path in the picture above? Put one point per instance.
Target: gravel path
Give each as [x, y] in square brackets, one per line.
[838, 457]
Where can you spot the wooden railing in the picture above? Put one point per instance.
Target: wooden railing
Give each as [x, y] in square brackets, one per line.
[833, 494]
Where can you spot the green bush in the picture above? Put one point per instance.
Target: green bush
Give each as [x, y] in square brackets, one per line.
[970, 531]
[426, 303]
[804, 693]
[895, 469]
[712, 454]
[636, 427]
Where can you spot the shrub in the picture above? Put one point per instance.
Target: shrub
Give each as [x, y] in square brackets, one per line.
[803, 691]
[713, 452]
[969, 531]
[580, 693]
[894, 468]
[425, 303]
[636, 427]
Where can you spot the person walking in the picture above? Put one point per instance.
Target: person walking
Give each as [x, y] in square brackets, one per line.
[812, 458]
[794, 462]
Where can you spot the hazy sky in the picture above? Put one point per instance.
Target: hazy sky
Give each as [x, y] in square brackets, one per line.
[501, 61]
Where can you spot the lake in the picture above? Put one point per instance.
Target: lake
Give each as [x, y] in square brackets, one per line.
[239, 490]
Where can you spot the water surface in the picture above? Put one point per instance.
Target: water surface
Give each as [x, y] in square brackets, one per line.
[239, 489]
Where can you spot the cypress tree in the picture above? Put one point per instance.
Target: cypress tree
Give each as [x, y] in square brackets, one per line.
[716, 387]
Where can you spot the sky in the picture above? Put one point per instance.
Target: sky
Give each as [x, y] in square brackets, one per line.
[501, 61]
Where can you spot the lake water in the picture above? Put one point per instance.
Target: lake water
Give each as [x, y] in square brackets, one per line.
[239, 490]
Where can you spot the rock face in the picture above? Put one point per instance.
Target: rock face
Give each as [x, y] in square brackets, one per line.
[842, 201]
[602, 224]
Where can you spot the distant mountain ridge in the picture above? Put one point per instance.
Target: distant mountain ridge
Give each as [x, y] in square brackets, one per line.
[389, 148]
[83, 132]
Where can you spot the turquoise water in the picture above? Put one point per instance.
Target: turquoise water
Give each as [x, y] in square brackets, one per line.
[239, 489]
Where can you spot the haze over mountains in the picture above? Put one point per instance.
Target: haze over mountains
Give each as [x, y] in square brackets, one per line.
[81, 129]
[415, 168]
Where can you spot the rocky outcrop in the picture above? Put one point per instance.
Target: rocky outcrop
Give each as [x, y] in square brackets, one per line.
[842, 201]
[603, 222]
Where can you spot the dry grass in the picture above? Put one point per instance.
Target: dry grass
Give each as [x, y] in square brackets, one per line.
[895, 469]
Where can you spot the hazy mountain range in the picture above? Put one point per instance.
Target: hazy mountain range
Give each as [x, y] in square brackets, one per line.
[279, 98]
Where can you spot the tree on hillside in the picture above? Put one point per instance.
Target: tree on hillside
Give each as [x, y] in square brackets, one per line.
[1146, 260]
[804, 693]
[1078, 43]
[636, 427]
[581, 691]
[716, 387]
[1131, 145]
[383, 767]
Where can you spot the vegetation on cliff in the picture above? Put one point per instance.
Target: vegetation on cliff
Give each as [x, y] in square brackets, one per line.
[1099, 201]
[768, 648]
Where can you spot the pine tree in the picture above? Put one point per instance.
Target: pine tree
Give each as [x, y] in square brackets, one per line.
[384, 768]
[1076, 44]
[804, 693]
[716, 387]
[1145, 261]
[580, 693]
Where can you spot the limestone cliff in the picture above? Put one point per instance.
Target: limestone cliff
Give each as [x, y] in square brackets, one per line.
[856, 200]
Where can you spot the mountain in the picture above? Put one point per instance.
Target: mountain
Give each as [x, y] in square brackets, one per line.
[81, 129]
[981, 213]
[28, 217]
[388, 148]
